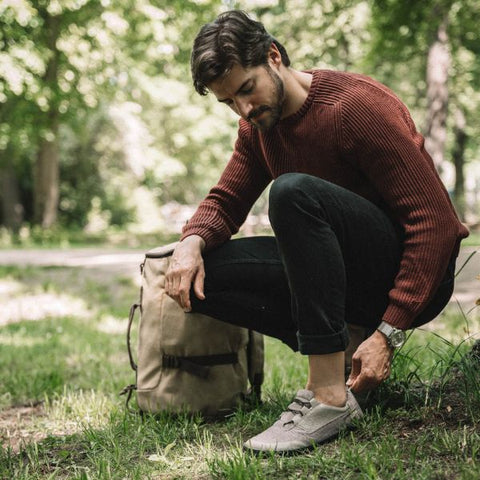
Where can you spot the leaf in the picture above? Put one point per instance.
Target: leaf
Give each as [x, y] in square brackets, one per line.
[161, 458]
[169, 447]
[155, 458]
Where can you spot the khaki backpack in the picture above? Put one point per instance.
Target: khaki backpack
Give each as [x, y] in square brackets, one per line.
[188, 362]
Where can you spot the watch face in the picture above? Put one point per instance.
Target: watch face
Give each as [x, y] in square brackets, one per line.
[397, 338]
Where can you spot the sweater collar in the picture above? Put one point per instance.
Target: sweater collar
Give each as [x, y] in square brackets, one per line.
[308, 101]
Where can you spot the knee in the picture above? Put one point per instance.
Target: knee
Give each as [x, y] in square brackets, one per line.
[282, 195]
[287, 191]
[284, 188]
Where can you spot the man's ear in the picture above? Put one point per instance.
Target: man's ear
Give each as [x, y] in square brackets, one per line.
[274, 56]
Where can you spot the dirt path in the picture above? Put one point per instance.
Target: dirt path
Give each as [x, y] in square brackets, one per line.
[111, 260]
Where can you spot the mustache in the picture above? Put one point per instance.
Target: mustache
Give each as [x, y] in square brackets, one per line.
[258, 111]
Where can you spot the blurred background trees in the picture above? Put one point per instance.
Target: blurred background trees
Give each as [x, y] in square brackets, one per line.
[100, 126]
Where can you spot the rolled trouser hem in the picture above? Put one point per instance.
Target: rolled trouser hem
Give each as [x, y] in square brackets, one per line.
[323, 344]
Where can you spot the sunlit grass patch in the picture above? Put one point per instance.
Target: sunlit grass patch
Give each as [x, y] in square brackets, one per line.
[111, 324]
[79, 409]
[9, 287]
[42, 305]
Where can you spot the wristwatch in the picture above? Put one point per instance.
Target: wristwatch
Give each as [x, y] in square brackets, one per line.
[395, 336]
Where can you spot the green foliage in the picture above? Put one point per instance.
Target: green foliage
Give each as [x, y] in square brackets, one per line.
[402, 33]
[94, 175]
[111, 81]
[66, 59]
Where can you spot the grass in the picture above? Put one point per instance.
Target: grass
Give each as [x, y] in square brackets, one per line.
[61, 417]
[473, 240]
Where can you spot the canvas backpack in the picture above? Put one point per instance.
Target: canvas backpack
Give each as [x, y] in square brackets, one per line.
[188, 362]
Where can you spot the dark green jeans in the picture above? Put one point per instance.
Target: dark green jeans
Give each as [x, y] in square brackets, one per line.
[332, 261]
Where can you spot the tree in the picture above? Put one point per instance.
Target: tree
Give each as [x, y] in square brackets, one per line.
[70, 57]
[96, 101]
[443, 33]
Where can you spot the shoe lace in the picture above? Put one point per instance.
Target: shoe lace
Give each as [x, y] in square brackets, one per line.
[298, 408]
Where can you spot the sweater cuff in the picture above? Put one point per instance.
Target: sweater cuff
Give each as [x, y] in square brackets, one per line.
[210, 238]
[400, 317]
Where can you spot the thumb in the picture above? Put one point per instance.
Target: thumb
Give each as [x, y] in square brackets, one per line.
[356, 368]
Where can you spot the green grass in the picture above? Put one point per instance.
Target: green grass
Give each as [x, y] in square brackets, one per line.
[473, 240]
[61, 374]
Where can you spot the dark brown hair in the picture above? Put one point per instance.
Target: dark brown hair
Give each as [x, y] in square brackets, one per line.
[233, 38]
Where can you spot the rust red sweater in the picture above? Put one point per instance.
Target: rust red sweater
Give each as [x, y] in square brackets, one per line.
[354, 132]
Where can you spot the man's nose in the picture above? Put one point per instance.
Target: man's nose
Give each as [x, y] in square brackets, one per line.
[244, 108]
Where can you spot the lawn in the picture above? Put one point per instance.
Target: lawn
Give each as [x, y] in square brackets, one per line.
[63, 361]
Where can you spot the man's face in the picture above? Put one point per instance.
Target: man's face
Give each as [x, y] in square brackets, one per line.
[256, 94]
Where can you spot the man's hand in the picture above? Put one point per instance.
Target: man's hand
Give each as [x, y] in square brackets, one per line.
[186, 267]
[370, 363]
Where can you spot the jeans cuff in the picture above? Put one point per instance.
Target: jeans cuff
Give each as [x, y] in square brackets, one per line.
[323, 344]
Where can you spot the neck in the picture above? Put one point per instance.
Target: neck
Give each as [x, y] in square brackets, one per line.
[297, 85]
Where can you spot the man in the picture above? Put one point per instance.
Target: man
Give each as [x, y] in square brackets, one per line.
[365, 234]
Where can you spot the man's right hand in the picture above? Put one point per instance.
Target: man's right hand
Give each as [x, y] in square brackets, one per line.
[186, 267]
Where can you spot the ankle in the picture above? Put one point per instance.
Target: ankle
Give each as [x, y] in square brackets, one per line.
[333, 396]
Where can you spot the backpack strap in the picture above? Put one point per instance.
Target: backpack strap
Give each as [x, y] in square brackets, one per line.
[256, 359]
[198, 365]
[128, 390]
[131, 316]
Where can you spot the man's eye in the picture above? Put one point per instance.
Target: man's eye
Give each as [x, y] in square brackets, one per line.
[247, 90]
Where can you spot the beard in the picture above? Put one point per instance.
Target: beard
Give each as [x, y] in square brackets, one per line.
[274, 110]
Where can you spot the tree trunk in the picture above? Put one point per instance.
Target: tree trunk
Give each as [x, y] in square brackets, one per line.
[46, 179]
[438, 63]
[11, 206]
[46, 186]
[458, 155]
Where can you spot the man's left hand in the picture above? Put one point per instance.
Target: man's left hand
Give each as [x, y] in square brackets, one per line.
[370, 363]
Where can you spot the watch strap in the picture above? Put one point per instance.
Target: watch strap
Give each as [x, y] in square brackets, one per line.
[390, 332]
[386, 329]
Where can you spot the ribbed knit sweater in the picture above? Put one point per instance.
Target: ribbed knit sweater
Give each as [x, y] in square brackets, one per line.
[354, 132]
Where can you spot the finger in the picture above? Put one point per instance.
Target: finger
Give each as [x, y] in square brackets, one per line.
[353, 386]
[170, 288]
[356, 368]
[198, 284]
[360, 384]
[366, 380]
[184, 293]
[175, 281]
[358, 381]
[168, 284]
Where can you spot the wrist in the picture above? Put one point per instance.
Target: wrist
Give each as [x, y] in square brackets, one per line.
[394, 337]
[382, 339]
[194, 240]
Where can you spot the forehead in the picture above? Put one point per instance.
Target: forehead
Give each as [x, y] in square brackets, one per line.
[228, 85]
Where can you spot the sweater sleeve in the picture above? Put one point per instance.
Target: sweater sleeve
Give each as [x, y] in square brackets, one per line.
[381, 139]
[223, 211]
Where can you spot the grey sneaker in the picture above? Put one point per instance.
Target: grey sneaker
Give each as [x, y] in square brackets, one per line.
[306, 423]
